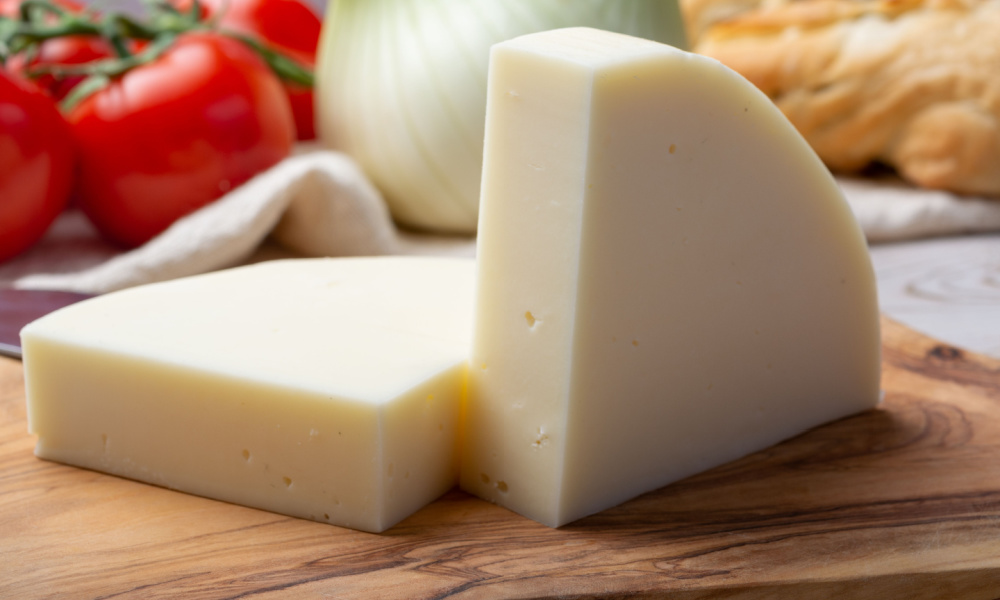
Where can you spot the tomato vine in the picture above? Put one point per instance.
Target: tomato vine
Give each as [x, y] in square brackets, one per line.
[135, 41]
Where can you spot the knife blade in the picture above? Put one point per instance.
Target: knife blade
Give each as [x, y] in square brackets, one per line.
[20, 307]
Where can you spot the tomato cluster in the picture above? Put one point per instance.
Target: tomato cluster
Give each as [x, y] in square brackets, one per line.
[152, 127]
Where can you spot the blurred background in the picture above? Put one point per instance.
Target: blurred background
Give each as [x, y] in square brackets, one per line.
[899, 68]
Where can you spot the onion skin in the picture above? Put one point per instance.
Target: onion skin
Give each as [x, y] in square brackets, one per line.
[401, 87]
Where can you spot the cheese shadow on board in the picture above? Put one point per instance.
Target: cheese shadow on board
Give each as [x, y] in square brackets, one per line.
[813, 477]
[896, 463]
[923, 458]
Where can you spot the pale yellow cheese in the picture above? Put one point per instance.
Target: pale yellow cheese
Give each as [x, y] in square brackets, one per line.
[668, 278]
[321, 389]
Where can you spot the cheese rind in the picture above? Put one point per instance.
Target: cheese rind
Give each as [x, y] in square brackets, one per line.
[669, 279]
[322, 389]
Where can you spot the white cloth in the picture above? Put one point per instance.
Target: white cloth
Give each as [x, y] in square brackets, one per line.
[319, 203]
[889, 210]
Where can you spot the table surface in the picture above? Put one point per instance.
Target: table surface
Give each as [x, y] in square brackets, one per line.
[948, 288]
[898, 502]
[909, 508]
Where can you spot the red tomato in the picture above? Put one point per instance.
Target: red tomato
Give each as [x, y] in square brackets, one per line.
[288, 26]
[171, 136]
[36, 164]
[71, 50]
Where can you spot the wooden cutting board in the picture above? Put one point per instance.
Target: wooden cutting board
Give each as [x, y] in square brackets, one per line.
[899, 502]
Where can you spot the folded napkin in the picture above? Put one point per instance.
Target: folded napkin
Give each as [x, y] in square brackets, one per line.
[316, 203]
[890, 210]
[319, 203]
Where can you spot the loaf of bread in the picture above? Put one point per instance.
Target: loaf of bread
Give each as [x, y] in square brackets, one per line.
[913, 84]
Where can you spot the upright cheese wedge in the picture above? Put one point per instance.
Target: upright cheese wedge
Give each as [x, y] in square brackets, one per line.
[669, 279]
[322, 389]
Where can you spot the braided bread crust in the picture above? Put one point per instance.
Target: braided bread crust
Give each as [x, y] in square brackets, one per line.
[914, 84]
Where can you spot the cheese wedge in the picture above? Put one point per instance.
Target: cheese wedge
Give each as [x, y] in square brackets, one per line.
[669, 278]
[322, 389]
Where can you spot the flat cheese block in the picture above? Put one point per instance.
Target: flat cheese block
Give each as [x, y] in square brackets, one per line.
[668, 277]
[326, 389]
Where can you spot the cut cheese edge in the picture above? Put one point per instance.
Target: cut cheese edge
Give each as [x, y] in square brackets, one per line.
[668, 277]
[322, 389]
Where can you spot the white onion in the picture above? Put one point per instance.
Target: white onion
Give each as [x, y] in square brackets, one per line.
[401, 87]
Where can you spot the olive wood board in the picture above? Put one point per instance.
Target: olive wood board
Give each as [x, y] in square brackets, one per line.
[898, 502]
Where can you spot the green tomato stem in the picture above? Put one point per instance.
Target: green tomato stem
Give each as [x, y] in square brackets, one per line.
[30, 8]
[101, 73]
[283, 66]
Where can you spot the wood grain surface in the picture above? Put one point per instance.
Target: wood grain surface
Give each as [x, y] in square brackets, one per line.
[948, 288]
[899, 502]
